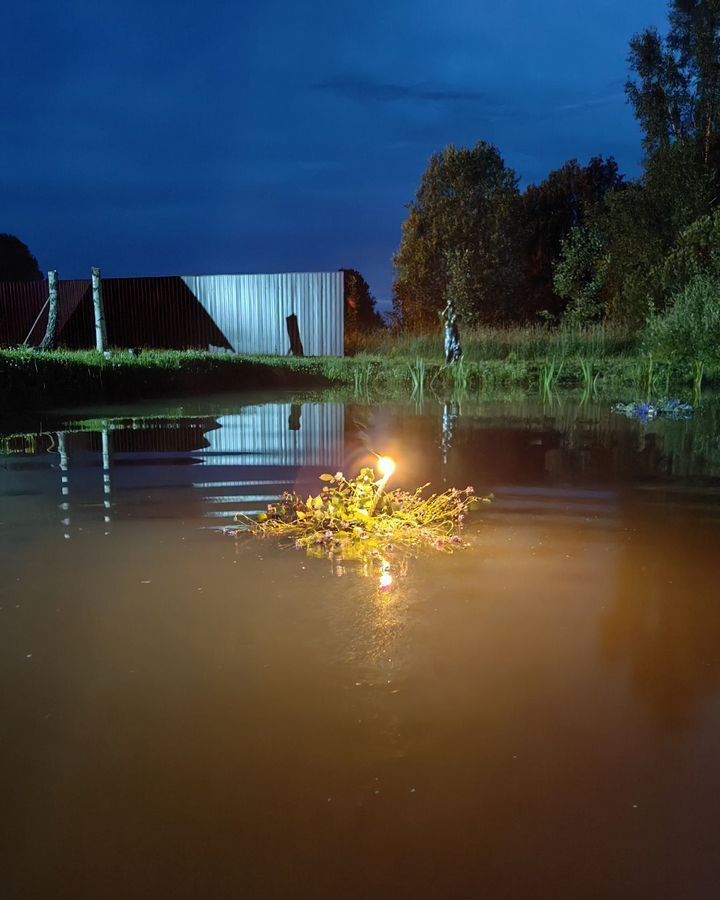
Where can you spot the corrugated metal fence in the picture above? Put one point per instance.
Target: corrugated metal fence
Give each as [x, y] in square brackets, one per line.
[22, 317]
[245, 313]
[251, 310]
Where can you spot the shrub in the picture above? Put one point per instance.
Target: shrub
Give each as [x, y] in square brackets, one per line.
[696, 252]
[689, 331]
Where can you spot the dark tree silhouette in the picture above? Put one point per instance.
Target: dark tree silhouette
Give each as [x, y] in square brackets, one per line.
[360, 312]
[16, 261]
[564, 201]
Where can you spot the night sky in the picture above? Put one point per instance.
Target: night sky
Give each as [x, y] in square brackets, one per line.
[206, 137]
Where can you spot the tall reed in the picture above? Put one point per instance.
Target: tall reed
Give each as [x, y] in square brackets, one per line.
[417, 371]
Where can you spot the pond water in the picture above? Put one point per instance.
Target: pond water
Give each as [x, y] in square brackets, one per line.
[187, 714]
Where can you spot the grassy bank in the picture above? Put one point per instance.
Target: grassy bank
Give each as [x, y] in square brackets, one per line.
[36, 380]
[504, 344]
[594, 361]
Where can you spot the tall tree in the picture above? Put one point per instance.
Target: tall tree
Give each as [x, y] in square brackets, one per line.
[464, 230]
[676, 89]
[360, 311]
[612, 264]
[565, 200]
[16, 261]
[361, 316]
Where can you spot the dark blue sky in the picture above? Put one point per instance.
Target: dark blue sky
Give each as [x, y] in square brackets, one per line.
[207, 137]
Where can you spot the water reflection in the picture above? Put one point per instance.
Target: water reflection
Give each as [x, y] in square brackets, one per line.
[213, 466]
[663, 624]
[552, 692]
[451, 411]
[238, 460]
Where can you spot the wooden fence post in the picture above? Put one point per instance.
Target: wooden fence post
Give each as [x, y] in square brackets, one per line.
[100, 332]
[50, 339]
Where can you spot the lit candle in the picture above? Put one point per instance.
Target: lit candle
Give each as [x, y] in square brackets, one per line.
[386, 467]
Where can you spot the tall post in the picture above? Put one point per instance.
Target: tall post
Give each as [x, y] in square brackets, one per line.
[100, 333]
[48, 342]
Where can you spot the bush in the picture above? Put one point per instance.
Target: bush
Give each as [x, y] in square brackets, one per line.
[689, 331]
[580, 274]
[696, 252]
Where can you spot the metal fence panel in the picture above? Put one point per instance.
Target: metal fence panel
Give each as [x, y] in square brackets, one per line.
[251, 310]
[244, 312]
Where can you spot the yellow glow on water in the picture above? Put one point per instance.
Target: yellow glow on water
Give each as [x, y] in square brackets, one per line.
[386, 580]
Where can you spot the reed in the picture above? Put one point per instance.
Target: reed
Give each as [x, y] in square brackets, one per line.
[418, 371]
[459, 378]
[698, 375]
[550, 372]
[361, 376]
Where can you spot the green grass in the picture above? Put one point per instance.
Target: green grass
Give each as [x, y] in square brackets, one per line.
[519, 343]
[32, 379]
[600, 359]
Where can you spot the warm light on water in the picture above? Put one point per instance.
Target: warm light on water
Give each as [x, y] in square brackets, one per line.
[186, 714]
[386, 580]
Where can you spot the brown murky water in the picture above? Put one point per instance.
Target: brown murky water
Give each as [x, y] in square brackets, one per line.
[184, 714]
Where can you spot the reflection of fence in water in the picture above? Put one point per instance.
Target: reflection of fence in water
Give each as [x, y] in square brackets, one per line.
[215, 466]
[273, 441]
[281, 434]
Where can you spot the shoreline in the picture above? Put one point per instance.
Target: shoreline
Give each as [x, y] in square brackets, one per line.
[32, 380]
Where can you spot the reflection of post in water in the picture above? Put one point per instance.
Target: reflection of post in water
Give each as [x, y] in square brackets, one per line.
[64, 482]
[106, 474]
[294, 417]
[294, 424]
[451, 411]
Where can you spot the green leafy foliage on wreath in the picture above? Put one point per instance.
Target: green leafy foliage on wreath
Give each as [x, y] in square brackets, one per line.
[355, 519]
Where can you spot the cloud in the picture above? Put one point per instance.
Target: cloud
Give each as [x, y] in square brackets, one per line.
[360, 88]
[589, 102]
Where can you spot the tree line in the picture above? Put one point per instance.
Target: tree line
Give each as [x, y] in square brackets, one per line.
[586, 244]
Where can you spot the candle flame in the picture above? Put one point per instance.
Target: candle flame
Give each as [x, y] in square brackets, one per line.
[386, 466]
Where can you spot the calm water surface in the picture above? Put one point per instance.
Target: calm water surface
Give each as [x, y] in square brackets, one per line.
[184, 714]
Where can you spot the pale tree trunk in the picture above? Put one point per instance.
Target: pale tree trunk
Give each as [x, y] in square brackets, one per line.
[50, 339]
[100, 333]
